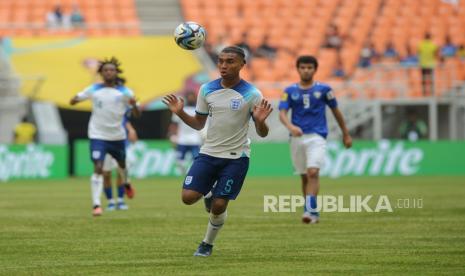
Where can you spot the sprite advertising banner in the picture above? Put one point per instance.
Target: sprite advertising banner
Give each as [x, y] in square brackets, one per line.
[365, 158]
[33, 162]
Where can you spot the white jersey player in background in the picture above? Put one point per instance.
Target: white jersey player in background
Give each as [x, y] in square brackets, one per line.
[186, 139]
[110, 100]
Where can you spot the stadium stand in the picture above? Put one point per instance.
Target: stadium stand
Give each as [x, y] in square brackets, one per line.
[302, 26]
[102, 18]
[12, 105]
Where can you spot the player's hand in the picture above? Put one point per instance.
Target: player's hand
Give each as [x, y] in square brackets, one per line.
[73, 101]
[296, 131]
[174, 103]
[347, 140]
[133, 102]
[132, 136]
[261, 111]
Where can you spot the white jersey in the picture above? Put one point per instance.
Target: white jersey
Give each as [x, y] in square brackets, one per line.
[109, 105]
[187, 135]
[229, 111]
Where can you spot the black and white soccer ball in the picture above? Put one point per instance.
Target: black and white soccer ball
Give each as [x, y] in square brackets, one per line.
[190, 35]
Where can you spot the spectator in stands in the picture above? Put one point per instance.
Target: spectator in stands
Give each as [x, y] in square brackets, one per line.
[25, 132]
[266, 50]
[413, 129]
[428, 54]
[55, 18]
[245, 45]
[58, 12]
[220, 44]
[368, 55]
[211, 52]
[461, 52]
[390, 51]
[410, 59]
[333, 38]
[338, 70]
[77, 19]
[448, 50]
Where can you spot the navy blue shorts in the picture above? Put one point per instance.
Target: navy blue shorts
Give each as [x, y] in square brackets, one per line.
[182, 150]
[98, 149]
[228, 173]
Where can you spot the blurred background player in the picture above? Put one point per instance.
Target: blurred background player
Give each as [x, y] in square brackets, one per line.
[308, 129]
[110, 163]
[110, 100]
[186, 139]
[230, 103]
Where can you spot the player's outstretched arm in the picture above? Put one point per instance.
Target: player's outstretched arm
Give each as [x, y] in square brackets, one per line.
[74, 100]
[346, 139]
[176, 105]
[260, 113]
[293, 129]
[135, 110]
[132, 133]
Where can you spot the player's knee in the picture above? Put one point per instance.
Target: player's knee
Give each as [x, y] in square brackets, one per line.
[190, 197]
[313, 173]
[188, 200]
[219, 206]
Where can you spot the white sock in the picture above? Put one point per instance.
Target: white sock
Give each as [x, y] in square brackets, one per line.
[96, 187]
[111, 201]
[120, 200]
[214, 226]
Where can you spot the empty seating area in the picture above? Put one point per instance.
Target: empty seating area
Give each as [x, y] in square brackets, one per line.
[300, 27]
[102, 17]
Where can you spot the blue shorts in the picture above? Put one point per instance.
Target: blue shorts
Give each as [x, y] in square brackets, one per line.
[181, 151]
[99, 148]
[228, 173]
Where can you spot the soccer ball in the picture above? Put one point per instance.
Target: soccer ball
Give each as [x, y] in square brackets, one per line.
[189, 35]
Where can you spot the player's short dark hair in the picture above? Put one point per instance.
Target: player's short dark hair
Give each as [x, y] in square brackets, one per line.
[307, 59]
[235, 49]
[114, 61]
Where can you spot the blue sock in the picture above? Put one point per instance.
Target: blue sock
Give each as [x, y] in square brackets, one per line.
[120, 191]
[310, 205]
[108, 192]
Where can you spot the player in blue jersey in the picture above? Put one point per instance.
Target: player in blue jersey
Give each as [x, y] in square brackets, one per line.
[308, 129]
[110, 100]
[229, 103]
[110, 163]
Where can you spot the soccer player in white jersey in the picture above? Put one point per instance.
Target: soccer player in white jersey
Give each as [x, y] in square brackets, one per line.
[308, 129]
[110, 100]
[229, 103]
[187, 139]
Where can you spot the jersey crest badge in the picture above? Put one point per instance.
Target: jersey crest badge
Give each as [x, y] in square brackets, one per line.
[317, 94]
[330, 95]
[188, 180]
[295, 96]
[236, 104]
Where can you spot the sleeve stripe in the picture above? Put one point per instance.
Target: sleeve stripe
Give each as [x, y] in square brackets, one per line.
[201, 113]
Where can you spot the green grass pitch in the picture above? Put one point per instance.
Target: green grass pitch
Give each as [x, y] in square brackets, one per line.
[46, 228]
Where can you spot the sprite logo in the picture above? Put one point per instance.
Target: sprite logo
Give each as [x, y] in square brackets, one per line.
[144, 161]
[386, 158]
[32, 162]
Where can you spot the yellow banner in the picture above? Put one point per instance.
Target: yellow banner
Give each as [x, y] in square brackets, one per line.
[153, 66]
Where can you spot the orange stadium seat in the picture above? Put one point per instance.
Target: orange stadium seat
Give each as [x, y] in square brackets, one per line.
[28, 18]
